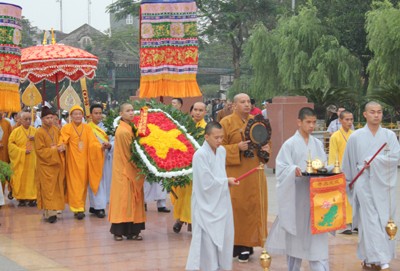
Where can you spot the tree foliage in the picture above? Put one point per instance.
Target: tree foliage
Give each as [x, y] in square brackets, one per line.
[383, 38]
[299, 54]
[388, 95]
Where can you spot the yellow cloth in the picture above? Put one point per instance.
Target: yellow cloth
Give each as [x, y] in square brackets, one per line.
[7, 129]
[23, 165]
[81, 165]
[182, 205]
[98, 132]
[50, 169]
[127, 195]
[337, 145]
[249, 197]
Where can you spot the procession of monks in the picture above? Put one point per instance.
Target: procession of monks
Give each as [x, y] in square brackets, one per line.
[53, 166]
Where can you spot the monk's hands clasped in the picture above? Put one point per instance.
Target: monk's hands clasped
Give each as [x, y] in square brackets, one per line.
[106, 146]
[244, 145]
[232, 181]
[61, 148]
[298, 172]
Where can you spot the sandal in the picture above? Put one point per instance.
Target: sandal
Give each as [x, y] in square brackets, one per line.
[366, 266]
[136, 237]
[177, 226]
[118, 237]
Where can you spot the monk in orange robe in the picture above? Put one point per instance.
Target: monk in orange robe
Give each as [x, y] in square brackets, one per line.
[246, 198]
[23, 161]
[84, 161]
[182, 205]
[50, 167]
[126, 212]
[5, 131]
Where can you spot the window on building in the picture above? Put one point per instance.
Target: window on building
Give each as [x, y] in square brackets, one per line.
[86, 41]
[129, 19]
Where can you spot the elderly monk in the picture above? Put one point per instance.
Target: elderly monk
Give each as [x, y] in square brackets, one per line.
[50, 167]
[84, 158]
[23, 161]
[182, 204]
[246, 198]
[126, 213]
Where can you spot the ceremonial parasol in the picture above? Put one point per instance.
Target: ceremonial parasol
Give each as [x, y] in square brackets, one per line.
[55, 62]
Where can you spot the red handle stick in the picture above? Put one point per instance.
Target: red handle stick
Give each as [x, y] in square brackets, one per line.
[251, 171]
[366, 165]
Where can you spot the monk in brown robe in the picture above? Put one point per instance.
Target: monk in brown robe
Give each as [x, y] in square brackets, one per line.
[126, 212]
[50, 167]
[226, 111]
[246, 198]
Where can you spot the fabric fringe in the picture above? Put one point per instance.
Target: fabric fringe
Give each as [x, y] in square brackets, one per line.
[10, 99]
[174, 85]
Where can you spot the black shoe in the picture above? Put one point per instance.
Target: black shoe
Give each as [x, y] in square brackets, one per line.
[189, 227]
[22, 203]
[79, 215]
[92, 210]
[100, 213]
[32, 203]
[52, 219]
[244, 257]
[177, 226]
[163, 210]
[347, 232]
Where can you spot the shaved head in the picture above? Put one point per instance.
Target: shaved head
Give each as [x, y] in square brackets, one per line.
[123, 106]
[199, 111]
[371, 104]
[199, 104]
[239, 96]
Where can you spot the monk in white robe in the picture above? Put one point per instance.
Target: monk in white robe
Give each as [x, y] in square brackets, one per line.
[291, 232]
[98, 201]
[370, 197]
[212, 218]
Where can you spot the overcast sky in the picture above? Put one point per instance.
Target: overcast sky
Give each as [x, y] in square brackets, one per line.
[45, 14]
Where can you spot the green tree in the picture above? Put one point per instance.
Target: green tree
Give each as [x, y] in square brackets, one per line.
[299, 54]
[27, 33]
[383, 28]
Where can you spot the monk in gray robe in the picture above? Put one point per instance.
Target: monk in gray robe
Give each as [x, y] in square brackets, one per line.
[211, 247]
[291, 231]
[373, 194]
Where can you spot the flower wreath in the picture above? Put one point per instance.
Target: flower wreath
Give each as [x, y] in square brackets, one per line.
[164, 152]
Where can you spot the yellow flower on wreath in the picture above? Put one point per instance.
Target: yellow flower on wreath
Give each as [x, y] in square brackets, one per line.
[162, 141]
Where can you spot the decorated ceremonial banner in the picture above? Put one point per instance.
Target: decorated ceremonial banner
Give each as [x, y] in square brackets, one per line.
[10, 56]
[168, 48]
[328, 203]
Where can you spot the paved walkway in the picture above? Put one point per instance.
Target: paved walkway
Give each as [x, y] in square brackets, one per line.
[28, 243]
